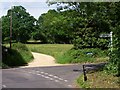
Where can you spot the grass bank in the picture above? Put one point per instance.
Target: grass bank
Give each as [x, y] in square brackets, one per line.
[64, 53]
[19, 55]
[99, 79]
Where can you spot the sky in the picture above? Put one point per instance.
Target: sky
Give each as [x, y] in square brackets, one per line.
[34, 7]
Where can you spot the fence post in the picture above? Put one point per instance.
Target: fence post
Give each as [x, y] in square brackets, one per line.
[84, 72]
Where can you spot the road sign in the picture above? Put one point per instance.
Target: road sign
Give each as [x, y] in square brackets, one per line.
[105, 35]
[108, 35]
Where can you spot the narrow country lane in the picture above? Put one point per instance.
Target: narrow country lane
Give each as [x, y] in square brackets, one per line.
[41, 77]
[43, 72]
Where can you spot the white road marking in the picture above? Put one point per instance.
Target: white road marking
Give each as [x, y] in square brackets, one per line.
[50, 75]
[46, 77]
[60, 78]
[69, 85]
[42, 72]
[38, 74]
[4, 86]
[42, 75]
[66, 80]
[56, 81]
[55, 77]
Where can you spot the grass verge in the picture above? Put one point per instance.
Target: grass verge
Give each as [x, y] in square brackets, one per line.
[93, 55]
[99, 79]
[19, 55]
[55, 50]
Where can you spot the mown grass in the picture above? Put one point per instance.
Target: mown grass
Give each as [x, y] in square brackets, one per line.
[99, 79]
[19, 55]
[64, 53]
[54, 50]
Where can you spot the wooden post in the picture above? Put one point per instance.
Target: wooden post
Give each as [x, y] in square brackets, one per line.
[84, 72]
[11, 29]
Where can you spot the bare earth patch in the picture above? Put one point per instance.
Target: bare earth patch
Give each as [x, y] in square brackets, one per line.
[41, 60]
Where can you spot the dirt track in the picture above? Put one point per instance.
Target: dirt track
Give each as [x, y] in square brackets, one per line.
[42, 60]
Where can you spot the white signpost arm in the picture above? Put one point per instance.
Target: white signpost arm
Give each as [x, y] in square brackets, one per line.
[111, 40]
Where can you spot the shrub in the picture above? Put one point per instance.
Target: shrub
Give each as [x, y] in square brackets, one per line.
[90, 38]
[81, 55]
[114, 62]
[19, 46]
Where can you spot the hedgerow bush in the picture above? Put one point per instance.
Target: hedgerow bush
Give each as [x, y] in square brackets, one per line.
[114, 62]
[82, 55]
[90, 38]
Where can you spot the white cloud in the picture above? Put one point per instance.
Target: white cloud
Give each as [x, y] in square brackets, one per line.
[34, 8]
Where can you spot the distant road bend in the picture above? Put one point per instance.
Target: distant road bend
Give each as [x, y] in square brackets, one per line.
[42, 60]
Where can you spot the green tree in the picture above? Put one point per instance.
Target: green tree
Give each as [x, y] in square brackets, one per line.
[56, 27]
[93, 19]
[5, 28]
[89, 21]
[22, 24]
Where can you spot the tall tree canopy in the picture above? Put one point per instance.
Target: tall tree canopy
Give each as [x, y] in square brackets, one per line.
[22, 24]
[56, 27]
[86, 22]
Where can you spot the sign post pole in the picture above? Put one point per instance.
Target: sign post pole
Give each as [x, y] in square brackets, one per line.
[111, 40]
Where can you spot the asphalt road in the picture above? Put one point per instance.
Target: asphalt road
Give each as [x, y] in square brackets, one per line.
[41, 77]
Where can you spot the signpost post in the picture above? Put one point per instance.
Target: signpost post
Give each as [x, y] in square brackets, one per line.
[111, 40]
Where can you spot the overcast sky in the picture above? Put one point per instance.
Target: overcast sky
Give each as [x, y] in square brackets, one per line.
[34, 7]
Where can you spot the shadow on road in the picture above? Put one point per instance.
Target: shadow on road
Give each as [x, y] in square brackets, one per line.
[92, 67]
